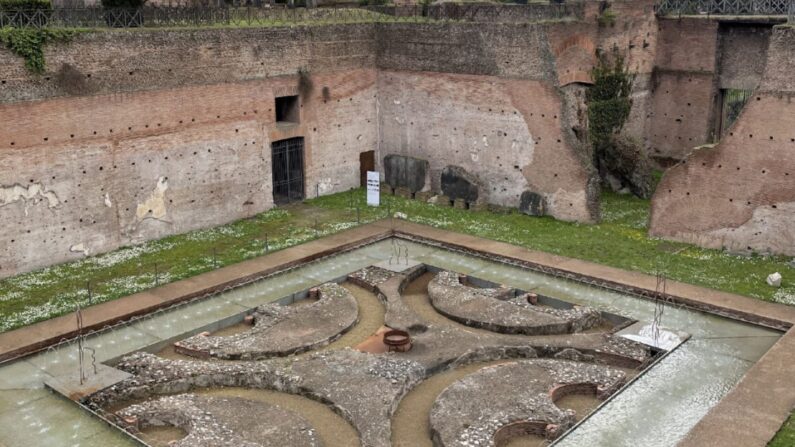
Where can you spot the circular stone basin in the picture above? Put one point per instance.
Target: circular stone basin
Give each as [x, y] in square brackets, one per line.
[397, 340]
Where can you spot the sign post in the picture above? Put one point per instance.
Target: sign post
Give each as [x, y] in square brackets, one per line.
[373, 188]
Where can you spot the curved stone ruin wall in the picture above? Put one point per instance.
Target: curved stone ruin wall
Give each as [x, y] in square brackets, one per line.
[740, 193]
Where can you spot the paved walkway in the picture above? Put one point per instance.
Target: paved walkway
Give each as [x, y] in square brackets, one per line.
[748, 416]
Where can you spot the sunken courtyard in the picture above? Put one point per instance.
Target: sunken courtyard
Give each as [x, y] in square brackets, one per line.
[397, 223]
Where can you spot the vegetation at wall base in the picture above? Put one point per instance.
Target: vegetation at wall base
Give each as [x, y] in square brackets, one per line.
[786, 435]
[619, 241]
[29, 43]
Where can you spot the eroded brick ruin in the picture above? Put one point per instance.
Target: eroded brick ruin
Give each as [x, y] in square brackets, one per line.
[133, 136]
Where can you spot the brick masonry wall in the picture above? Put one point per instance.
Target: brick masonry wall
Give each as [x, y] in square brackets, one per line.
[87, 174]
[507, 132]
[740, 194]
[132, 60]
[681, 115]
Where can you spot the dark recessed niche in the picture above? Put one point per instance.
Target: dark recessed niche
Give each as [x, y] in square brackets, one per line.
[287, 110]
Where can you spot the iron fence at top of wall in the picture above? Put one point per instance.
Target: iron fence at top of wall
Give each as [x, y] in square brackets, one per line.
[727, 7]
[171, 16]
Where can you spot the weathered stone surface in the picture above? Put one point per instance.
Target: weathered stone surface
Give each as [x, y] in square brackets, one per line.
[457, 184]
[224, 422]
[498, 310]
[282, 330]
[774, 279]
[533, 204]
[401, 171]
[470, 411]
[365, 389]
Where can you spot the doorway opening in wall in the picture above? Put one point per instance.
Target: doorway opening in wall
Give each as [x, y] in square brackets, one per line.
[366, 163]
[287, 164]
[287, 109]
[732, 103]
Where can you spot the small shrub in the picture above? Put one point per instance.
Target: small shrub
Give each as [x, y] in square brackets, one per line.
[123, 4]
[25, 5]
[43, 8]
[607, 18]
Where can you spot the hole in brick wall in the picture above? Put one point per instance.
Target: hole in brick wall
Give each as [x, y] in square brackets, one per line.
[764, 171]
[129, 128]
[750, 135]
[773, 206]
[46, 138]
[771, 137]
[71, 135]
[287, 110]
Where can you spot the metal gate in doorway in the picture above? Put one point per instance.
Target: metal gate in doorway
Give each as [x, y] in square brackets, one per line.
[287, 164]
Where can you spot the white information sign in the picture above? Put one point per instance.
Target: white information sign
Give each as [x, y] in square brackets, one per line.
[373, 188]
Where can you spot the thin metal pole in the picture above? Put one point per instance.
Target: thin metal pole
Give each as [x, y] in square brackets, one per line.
[267, 249]
[157, 280]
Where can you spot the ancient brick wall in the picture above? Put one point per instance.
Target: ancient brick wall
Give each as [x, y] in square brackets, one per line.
[742, 54]
[740, 194]
[507, 132]
[181, 143]
[681, 115]
[131, 60]
[486, 98]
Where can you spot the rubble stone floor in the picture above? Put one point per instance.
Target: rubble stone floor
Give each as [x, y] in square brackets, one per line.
[314, 373]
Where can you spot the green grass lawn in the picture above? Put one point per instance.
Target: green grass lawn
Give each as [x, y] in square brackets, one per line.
[619, 241]
[786, 436]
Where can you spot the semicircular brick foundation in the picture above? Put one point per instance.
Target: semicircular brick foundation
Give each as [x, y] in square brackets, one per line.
[281, 330]
[513, 399]
[223, 422]
[498, 310]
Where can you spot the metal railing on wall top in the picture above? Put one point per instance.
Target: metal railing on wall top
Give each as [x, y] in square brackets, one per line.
[784, 8]
[188, 16]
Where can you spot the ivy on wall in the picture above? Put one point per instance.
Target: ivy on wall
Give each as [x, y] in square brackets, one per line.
[608, 99]
[620, 161]
[29, 43]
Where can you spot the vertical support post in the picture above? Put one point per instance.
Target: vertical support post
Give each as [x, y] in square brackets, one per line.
[267, 249]
[358, 217]
[157, 280]
[88, 292]
[215, 258]
[317, 190]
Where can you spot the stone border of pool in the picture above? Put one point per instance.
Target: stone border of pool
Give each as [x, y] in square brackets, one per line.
[749, 415]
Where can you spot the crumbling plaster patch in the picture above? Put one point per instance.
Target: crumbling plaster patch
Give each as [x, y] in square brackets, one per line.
[154, 207]
[35, 193]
